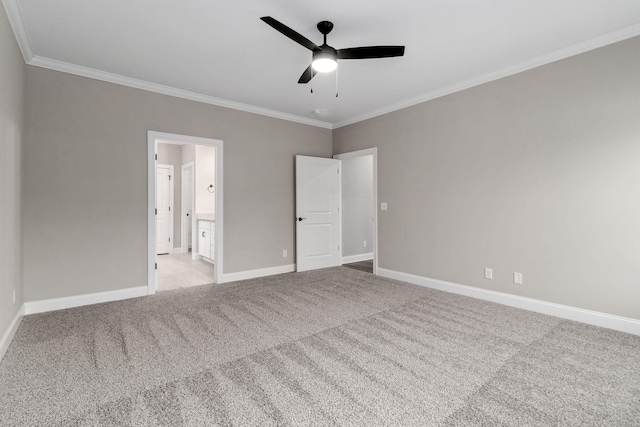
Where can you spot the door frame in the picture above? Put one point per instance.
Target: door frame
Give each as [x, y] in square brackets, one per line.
[172, 180]
[359, 153]
[153, 137]
[184, 224]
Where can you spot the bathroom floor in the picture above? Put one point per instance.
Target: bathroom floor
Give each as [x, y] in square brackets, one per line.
[180, 271]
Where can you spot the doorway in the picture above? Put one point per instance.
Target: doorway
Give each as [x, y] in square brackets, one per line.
[359, 201]
[188, 217]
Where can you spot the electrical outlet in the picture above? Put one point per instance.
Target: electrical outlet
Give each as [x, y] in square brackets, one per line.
[284, 253]
[488, 273]
[14, 296]
[364, 243]
[517, 278]
[383, 206]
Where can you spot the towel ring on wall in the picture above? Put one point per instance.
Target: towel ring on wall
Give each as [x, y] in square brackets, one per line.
[211, 188]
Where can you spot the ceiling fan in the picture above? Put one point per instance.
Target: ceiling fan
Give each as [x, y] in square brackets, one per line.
[325, 57]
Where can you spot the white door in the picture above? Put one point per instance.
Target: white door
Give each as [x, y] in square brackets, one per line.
[187, 206]
[317, 213]
[164, 215]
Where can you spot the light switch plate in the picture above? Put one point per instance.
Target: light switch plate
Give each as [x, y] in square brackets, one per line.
[383, 206]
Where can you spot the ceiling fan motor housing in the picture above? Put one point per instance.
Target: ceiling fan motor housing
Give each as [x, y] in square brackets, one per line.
[325, 51]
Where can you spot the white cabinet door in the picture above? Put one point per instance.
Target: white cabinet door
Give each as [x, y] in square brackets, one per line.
[204, 242]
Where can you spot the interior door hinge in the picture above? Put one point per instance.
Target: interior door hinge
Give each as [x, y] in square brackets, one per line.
[169, 208]
[156, 265]
[169, 238]
[156, 157]
[156, 211]
[169, 177]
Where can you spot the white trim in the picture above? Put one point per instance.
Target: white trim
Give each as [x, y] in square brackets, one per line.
[19, 30]
[618, 323]
[152, 280]
[576, 49]
[47, 305]
[359, 153]
[184, 224]
[152, 141]
[357, 258]
[92, 73]
[260, 272]
[11, 332]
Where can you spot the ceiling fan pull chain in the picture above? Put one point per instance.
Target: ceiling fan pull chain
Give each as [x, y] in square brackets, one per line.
[336, 82]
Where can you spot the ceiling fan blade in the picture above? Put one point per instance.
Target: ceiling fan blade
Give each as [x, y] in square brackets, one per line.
[292, 34]
[307, 75]
[371, 52]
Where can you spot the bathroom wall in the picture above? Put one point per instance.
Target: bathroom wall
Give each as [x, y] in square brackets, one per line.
[205, 176]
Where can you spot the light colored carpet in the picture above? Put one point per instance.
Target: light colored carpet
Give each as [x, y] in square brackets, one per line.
[329, 347]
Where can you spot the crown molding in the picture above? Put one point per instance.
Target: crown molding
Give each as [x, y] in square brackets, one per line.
[17, 25]
[591, 44]
[91, 73]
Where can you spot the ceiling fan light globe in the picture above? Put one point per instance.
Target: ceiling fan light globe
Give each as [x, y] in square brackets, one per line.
[324, 65]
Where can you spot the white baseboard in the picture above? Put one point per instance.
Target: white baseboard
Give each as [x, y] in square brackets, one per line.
[356, 258]
[7, 337]
[618, 323]
[44, 306]
[261, 272]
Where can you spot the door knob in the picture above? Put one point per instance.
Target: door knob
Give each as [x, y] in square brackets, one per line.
[300, 218]
[203, 234]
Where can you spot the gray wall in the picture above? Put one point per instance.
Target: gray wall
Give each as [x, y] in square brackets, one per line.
[11, 131]
[171, 154]
[357, 205]
[537, 173]
[85, 177]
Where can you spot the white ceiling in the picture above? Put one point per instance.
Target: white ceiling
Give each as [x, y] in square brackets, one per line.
[221, 52]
